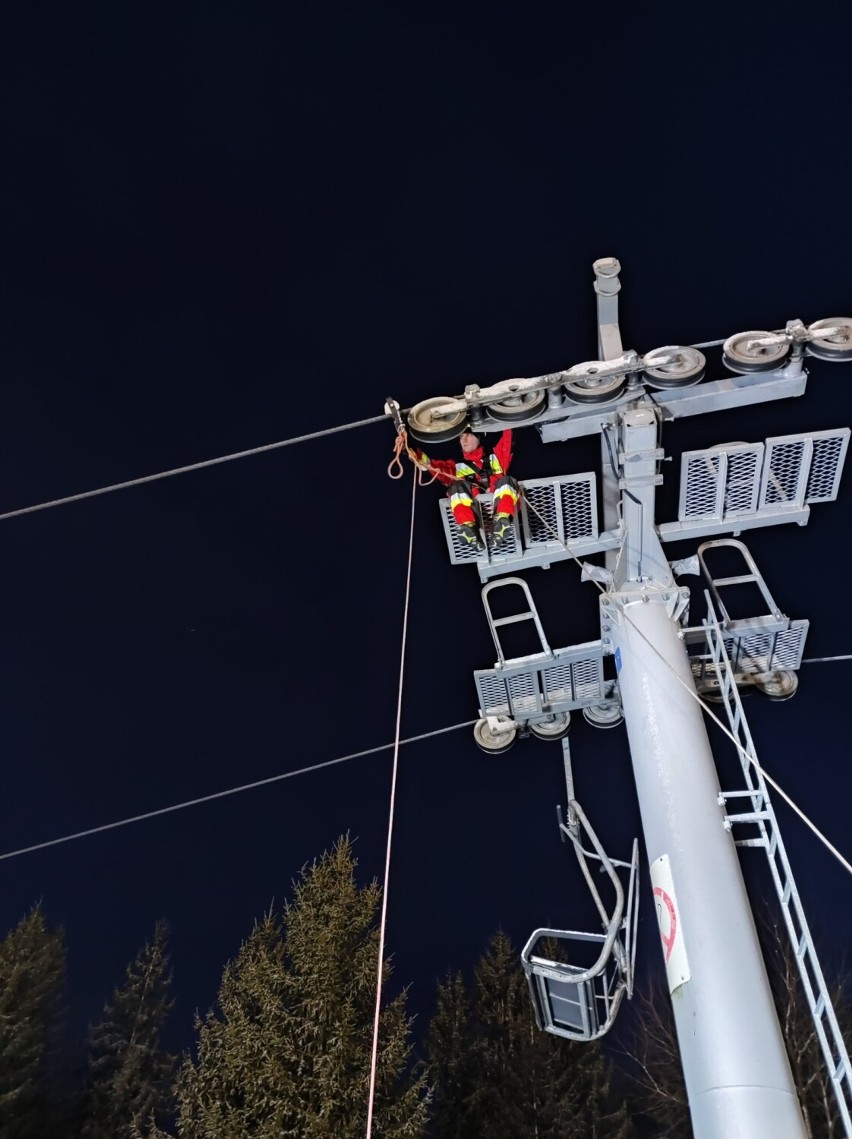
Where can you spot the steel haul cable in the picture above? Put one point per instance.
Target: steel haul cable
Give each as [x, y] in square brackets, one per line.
[230, 791]
[191, 467]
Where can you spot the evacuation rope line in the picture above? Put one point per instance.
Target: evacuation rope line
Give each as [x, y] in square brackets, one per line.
[712, 715]
[230, 791]
[191, 467]
[383, 923]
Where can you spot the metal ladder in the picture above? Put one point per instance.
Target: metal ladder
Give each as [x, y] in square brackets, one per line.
[762, 817]
[528, 614]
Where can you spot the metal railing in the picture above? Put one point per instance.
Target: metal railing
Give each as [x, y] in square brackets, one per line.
[764, 833]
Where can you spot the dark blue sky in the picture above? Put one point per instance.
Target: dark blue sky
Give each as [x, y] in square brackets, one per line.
[229, 224]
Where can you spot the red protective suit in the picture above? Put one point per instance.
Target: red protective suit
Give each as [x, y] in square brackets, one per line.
[480, 471]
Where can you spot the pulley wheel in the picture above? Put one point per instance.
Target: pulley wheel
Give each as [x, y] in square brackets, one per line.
[439, 429]
[603, 715]
[553, 728]
[777, 685]
[586, 386]
[685, 366]
[522, 406]
[740, 355]
[835, 347]
[493, 743]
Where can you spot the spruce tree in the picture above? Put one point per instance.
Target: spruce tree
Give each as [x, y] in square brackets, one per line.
[129, 1073]
[452, 1066]
[497, 1074]
[286, 1052]
[32, 974]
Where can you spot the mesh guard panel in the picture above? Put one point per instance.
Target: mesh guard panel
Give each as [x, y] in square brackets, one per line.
[493, 697]
[571, 677]
[741, 484]
[702, 486]
[783, 474]
[578, 515]
[826, 466]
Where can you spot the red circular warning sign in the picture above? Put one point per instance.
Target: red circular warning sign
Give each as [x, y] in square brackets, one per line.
[667, 938]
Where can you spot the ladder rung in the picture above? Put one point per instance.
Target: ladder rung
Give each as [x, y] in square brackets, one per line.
[511, 620]
[749, 794]
[740, 579]
[834, 1050]
[748, 817]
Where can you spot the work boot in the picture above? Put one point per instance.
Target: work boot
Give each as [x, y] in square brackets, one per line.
[470, 535]
[501, 528]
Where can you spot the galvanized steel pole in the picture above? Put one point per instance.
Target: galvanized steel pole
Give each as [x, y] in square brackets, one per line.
[737, 1074]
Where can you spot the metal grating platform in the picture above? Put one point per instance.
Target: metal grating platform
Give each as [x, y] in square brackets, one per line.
[754, 653]
[552, 511]
[554, 682]
[768, 652]
[737, 480]
[461, 553]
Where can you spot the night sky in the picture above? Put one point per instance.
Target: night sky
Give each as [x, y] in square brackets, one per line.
[229, 224]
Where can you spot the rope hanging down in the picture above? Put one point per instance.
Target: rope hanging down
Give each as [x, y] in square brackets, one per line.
[191, 467]
[383, 922]
[401, 446]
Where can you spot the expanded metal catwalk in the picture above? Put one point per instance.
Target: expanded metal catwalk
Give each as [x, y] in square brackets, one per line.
[758, 645]
[552, 511]
[735, 486]
[783, 474]
[556, 681]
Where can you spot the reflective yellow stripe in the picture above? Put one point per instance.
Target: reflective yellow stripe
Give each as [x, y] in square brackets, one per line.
[496, 465]
[507, 492]
[466, 471]
[424, 459]
[460, 500]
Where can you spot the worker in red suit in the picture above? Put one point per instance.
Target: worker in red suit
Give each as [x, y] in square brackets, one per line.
[478, 471]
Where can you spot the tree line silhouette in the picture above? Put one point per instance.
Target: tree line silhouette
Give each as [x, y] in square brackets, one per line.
[284, 1051]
